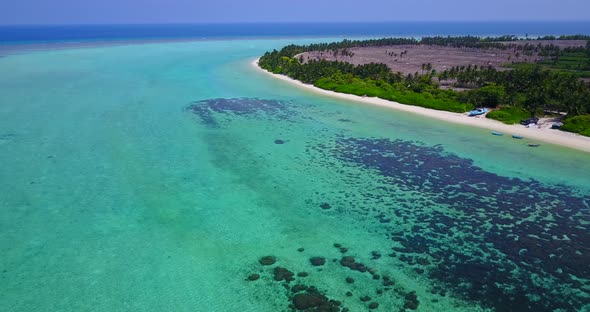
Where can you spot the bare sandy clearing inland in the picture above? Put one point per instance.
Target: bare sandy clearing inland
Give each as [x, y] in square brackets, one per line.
[408, 59]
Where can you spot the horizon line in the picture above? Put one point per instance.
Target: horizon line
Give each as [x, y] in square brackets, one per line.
[292, 22]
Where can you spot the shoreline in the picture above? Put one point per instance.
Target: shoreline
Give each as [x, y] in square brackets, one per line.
[547, 135]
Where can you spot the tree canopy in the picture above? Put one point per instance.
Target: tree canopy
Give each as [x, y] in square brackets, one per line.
[530, 87]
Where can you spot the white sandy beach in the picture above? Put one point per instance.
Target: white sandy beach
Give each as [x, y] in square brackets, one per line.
[544, 134]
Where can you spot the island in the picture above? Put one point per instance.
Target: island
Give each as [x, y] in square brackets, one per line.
[518, 79]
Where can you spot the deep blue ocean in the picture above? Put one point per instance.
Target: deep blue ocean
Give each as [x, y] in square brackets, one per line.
[76, 33]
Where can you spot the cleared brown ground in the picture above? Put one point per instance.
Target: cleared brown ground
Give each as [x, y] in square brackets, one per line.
[441, 58]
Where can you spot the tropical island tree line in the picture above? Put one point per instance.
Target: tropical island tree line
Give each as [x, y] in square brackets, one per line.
[551, 85]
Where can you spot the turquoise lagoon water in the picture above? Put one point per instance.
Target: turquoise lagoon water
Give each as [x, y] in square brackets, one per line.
[154, 177]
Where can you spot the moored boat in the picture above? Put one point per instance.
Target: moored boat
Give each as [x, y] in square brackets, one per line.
[557, 125]
[497, 133]
[517, 136]
[479, 111]
[534, 144]
[532, 120]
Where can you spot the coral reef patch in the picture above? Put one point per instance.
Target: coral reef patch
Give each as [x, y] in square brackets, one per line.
[508, 243]
[214, 112]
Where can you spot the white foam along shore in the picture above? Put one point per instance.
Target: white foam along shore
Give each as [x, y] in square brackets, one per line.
[544, 134]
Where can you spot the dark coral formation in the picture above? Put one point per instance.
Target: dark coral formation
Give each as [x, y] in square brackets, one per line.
[253, 277]
[387, 281]
[305, 297]
[511, 244]
[282, 274]
[341, 248]
[350, 262]
[317, 261]
[212, 111]
[365, 298]
[298, 288]
[312, 300]
[411, 301]
[301, 297]
[267, 260]
[375, 255]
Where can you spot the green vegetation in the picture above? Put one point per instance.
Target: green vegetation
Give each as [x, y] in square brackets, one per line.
[529, 87]
[398, 92]
[509, 115]
[489, 96]
[578, 124]
[375, 80]
[571, 61]
[552, 85]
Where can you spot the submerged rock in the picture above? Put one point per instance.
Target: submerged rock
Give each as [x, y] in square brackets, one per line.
[253, 277]
[349, 262]
[281, 274]
[267, 260]
[308, 300]
[213, 112]
[315, 301]
[387, 281]
[317, 261]
[411, 301]
[375, 255]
